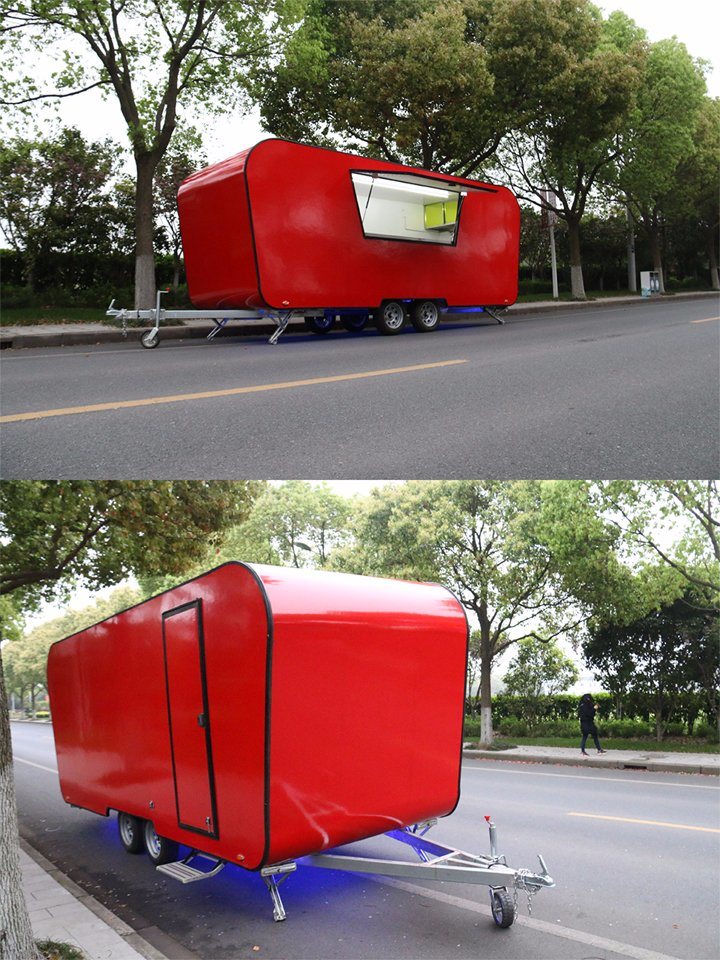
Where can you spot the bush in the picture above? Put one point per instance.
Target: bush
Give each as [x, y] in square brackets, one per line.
[706, 730]
[471, 728]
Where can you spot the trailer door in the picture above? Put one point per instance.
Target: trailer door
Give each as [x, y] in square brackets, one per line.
[189, 718]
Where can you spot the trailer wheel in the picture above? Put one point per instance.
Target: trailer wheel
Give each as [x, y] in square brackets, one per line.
[320, 324]
[503, 908]
[425, 316]
[354, 322]
[391, 317]
[150, 339]
[160, 849]
[131, 833]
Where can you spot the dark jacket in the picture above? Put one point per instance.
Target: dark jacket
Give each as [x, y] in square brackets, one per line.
[586, 713]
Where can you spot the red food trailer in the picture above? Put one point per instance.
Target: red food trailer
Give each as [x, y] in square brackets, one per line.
[286, 230]
[256, 715]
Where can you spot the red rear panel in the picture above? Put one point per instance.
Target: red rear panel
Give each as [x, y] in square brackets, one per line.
[368, 685]
[217, 237]
[303, 245]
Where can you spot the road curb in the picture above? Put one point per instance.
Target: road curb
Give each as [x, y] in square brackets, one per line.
[122, 929]
[610, 762]
[24, 337]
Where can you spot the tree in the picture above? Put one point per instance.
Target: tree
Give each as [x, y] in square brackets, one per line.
[663, 655]
[696, 184]
[55, 196]
[157, 59]
[539, 669]
[574, 136]
[430, 100]
[449, 80]
[296, 524]
[520, 556]
[55, 534]
[676, 522]
[659, 137]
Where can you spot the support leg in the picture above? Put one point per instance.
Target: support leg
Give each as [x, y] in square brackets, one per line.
[282, 320]
[278, 909]
[219, 325]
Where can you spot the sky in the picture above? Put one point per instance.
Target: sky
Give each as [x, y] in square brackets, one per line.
[691, 21]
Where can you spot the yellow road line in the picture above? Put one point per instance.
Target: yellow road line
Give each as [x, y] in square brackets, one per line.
[652, 823]
[233, 392]
[706, 320]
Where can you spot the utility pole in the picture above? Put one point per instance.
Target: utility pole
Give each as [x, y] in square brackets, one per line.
[632, 273]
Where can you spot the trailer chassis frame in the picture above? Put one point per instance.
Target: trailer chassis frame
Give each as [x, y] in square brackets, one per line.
[150, 338]
[436, 862]
[281, 318]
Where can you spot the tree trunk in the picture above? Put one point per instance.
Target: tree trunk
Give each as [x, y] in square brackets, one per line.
[656, 251]
[16, 936]
[144, 225]
[712, 257]
[577, 284]
[486, 724]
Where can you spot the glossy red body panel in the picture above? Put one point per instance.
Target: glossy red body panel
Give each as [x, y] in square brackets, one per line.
[313, 681]
[278, 225]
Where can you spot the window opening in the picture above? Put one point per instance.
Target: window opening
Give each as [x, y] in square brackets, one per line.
[408, 207]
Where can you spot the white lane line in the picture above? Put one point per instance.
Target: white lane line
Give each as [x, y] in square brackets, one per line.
[38, 765]
[577, 776]
[542, 926]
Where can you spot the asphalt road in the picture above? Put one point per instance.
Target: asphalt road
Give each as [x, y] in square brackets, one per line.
[612, 391]
[646, 891]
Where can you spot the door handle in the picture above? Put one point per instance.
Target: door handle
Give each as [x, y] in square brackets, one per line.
[202, 720]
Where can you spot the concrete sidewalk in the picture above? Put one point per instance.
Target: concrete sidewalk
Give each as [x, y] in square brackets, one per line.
[68, 334]
[62, 911]
[652, 761]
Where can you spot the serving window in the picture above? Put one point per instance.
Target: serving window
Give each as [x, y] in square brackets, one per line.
[408, 207]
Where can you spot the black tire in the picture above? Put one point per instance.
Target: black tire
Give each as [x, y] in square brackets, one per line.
[150, 339]
[391, 317]
[354, 322]
[321, 324]
[425, 315]
[503, 908]
[159, 849]
[131, 833]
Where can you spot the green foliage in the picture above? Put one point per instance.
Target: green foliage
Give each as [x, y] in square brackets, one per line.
[665, 655]
[672, 527]
[585, 106]
[539, 667]
[295, 524]
[55, 197]
[522, 556]
[57, 950]
[54, 534]
[157, 59]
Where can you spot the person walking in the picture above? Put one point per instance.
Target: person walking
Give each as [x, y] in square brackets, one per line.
[586, 713]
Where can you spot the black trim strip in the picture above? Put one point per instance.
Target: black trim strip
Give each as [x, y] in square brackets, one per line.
[213, 833]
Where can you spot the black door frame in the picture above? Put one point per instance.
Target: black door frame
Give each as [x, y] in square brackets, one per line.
[213, 833]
